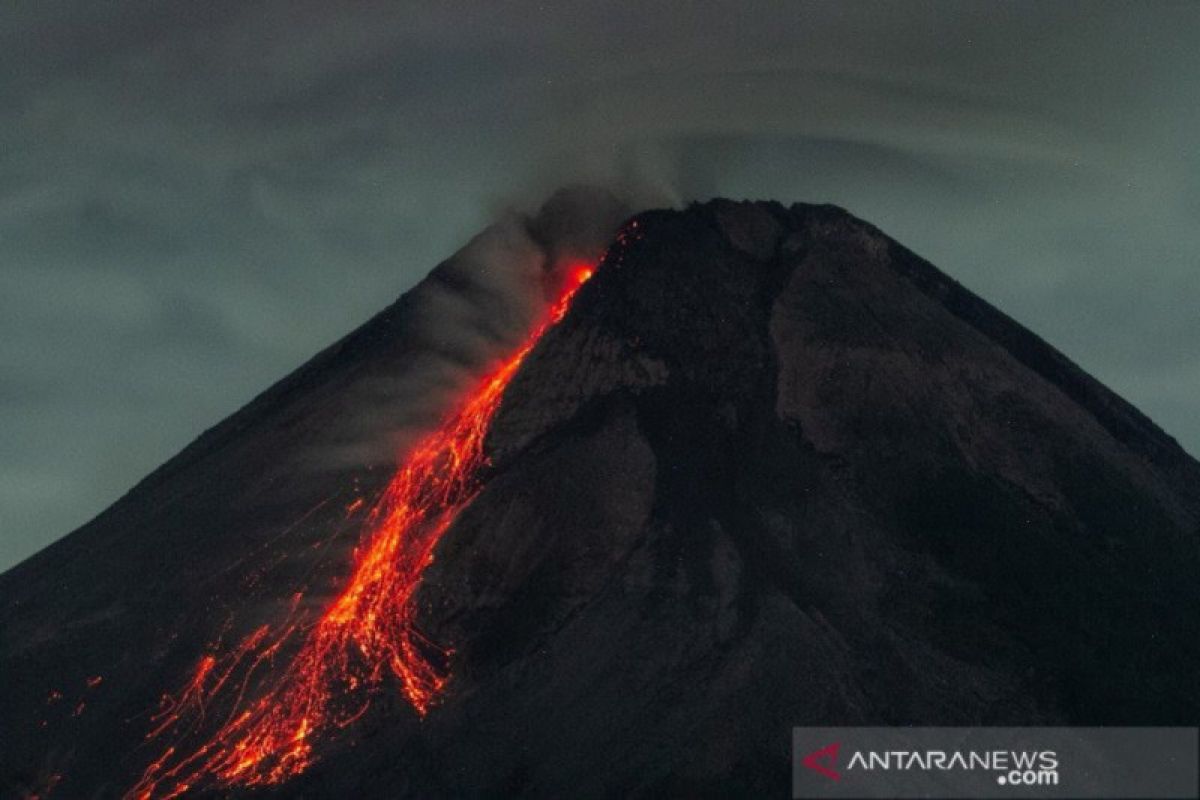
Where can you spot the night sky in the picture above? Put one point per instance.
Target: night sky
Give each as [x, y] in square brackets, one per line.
[195, 197]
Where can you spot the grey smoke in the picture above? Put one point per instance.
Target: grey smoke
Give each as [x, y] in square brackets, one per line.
[471, 312]
[196, 197]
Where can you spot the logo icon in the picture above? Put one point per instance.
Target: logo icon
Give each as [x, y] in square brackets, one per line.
[823, 761]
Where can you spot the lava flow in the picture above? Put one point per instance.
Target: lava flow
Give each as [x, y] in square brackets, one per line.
[366, 635]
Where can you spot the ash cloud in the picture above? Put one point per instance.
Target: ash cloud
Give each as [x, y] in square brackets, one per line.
[471, 312]
[196, 197]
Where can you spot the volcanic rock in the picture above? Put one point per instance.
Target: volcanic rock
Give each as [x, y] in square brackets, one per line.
[772, 469]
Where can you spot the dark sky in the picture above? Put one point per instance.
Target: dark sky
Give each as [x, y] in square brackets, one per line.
[196, 196]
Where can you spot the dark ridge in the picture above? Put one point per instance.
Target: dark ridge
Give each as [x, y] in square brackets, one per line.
[772, 469]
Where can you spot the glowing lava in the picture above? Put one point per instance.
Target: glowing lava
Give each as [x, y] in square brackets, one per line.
[366, 635]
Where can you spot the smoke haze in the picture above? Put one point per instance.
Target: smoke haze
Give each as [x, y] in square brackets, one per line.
[195, 198]
[471, 312]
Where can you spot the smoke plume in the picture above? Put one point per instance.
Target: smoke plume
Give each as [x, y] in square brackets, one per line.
[470, 312]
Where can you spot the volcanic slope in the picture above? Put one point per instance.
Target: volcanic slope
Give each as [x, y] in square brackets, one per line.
[770, 469]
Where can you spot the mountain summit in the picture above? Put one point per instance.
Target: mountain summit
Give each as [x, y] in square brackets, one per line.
[765, 468]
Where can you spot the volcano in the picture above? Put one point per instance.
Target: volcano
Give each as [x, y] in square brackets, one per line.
[752, 467]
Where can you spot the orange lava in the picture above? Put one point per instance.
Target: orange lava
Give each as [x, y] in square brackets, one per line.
[365, 637]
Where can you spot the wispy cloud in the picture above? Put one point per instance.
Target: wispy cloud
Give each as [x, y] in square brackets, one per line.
[196, 197]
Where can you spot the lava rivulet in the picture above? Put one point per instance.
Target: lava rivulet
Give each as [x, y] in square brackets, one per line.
[365, 637]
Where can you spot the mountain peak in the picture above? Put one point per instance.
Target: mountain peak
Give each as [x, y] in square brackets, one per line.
[770, 469]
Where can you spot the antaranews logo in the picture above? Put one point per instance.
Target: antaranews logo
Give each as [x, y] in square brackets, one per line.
[1011, 767]
[995, 762]
[822, 761]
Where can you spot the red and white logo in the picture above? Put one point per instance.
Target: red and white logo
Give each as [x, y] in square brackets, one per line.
[824, 760]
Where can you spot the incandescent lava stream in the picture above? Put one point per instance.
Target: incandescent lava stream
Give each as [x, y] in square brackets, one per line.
[366, 636]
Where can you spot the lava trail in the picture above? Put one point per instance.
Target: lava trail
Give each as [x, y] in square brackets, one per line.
[365, 637]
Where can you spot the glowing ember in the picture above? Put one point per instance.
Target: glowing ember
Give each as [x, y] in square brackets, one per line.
[367, 634]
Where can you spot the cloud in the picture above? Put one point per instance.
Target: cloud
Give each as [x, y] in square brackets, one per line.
[471, 312]
[195, 197]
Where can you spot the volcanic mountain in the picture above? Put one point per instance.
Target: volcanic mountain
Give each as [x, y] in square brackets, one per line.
[765, 468]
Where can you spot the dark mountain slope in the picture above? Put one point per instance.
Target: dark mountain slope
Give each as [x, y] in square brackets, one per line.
[771, 470]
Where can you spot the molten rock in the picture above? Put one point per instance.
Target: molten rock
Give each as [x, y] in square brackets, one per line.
[770, 469]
